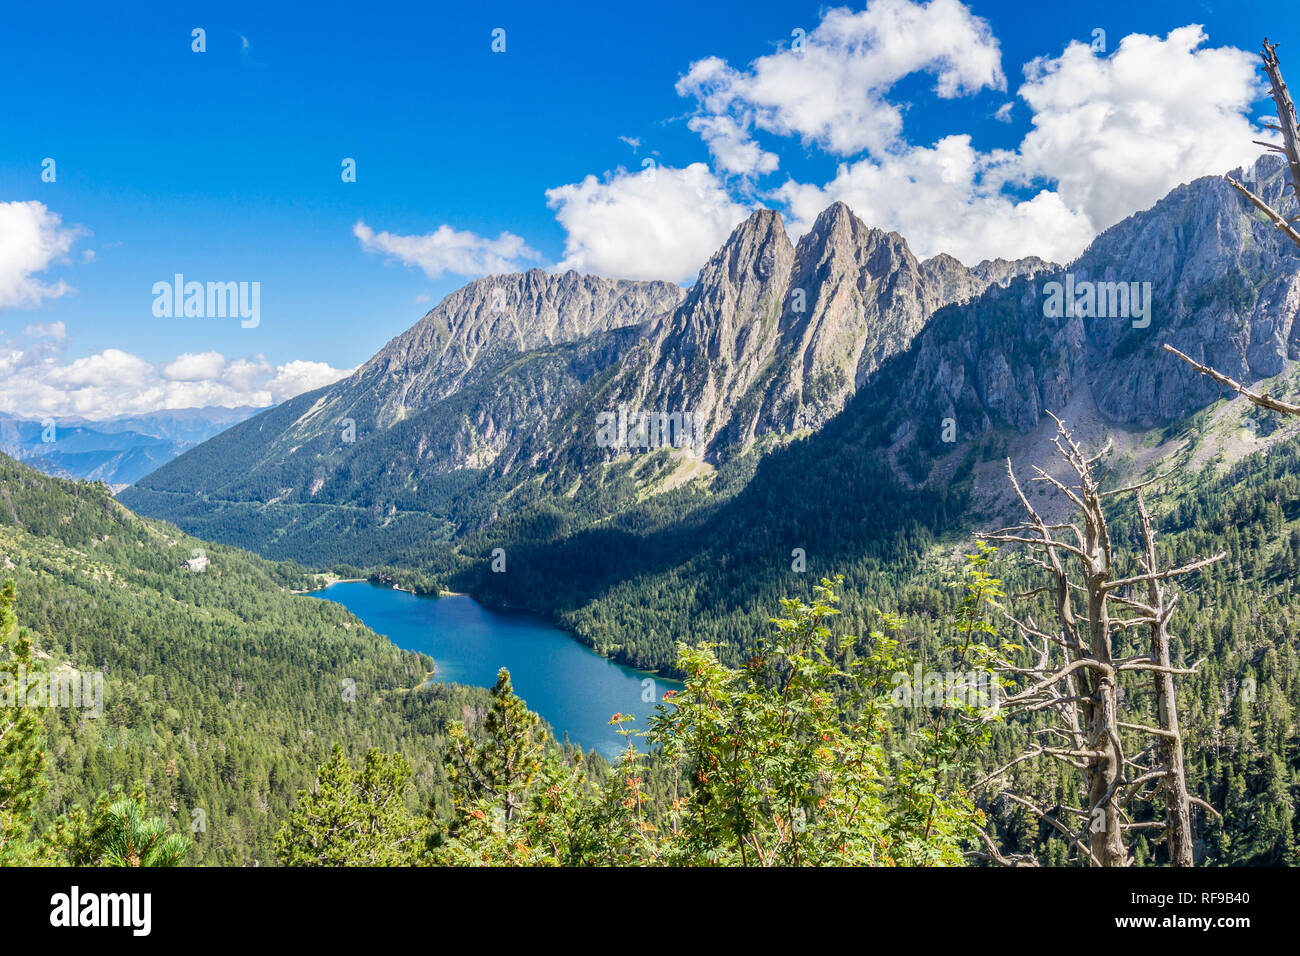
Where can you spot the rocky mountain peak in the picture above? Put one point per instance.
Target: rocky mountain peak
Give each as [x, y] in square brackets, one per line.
[755, 256]
[1199, 270]
[498, 315]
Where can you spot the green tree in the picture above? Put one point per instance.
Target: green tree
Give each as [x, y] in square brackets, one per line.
[501, 767]
[132, 839]
[783, 761]
[353, 816]
[22, 757]
[518, 800]
[116, 832]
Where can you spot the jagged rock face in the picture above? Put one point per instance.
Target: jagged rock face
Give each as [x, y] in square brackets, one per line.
[857, 296]
[507, 376]
[702, 358]
[954, 284]
[495, 396]
[997, 359]
[773, 339]
[725, 333]
[464, 387]
[1000, 272]
[465, 345]
[1224, 288]
[489, 319]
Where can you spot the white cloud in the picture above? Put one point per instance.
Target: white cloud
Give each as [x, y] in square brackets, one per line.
[732, 149]
[1110, 136]
[194, 367]
[1117, 133]
[661, 223]
[57, 331]
[1107, 136]
[32, 238]
[450, 250]
[294, 378]
[832, 91]
[114, 382]
[944, 199]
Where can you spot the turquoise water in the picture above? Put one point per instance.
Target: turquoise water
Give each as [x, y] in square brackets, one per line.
[572, 687]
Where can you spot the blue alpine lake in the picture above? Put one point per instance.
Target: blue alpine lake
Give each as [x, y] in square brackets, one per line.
[573, 688]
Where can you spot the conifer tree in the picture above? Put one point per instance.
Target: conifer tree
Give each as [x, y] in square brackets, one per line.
[132, 839]
[501, 767]
[117, 831]
[353, 817]
[22, 758]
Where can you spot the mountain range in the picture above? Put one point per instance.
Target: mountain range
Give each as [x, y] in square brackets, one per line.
[841, 366]
[116, 451]
[496, 392]
[852, 411]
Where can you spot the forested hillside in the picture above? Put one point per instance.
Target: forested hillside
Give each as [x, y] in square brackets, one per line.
[223, 691]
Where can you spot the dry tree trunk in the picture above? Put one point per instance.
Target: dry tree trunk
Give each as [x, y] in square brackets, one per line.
[1290, 148]
[1263, 401]
[1076, 675]
[1169, 739]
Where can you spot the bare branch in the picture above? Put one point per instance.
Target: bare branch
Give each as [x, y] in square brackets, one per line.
[1263, 401]
[1266, 209]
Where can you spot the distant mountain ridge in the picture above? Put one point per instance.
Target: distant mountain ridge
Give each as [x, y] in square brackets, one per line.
[116, 451]
[504, 379]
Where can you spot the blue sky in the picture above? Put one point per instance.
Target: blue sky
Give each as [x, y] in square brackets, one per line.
[225, 165]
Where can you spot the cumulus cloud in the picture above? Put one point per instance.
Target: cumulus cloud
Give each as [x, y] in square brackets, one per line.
[450, 250]
[1116, 133]
[731, 146]
[194, 367]
[1109, 134]
[660, 223]
[945, 198]
[831, 89]
[32, 238]
[115, 382]
[294, 378]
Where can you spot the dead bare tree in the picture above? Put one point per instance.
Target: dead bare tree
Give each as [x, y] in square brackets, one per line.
[1075, 677]
[1290, 149]
[1255, 398]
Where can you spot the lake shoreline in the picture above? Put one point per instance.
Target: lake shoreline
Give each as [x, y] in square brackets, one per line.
[569, 684]
[656, 674]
